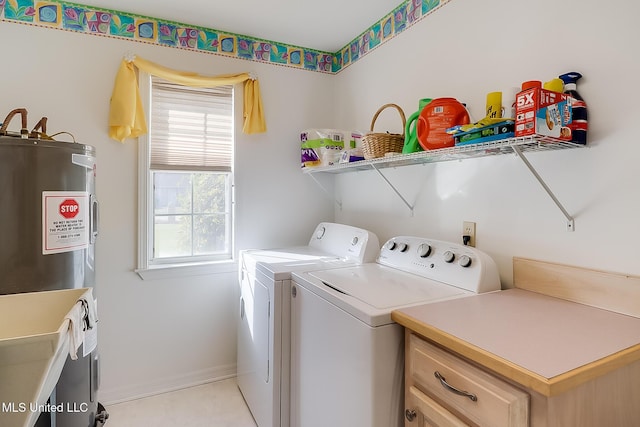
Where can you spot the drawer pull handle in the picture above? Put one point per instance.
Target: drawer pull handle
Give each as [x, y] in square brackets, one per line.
[410, 414]
[452, 389]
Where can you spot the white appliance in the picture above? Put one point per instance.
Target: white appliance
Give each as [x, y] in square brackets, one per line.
[346, 352]
[263, 331]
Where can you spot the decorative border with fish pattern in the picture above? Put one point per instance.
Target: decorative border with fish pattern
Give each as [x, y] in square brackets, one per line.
[104, 22]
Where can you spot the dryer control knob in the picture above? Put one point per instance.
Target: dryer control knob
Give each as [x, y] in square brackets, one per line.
[449, 256]
[403, 247]
[320, 232]
[354, 241]
[424, 250]
[391, 245]
[465, 261]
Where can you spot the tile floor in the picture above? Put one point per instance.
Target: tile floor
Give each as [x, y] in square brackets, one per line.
[217, 404]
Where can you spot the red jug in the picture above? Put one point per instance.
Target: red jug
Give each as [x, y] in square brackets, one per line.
[434, 120]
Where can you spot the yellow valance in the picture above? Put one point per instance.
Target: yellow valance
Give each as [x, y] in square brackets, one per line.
[126, 115]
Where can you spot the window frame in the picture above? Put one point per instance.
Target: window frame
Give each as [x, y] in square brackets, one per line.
[146, 269]
[228, 214]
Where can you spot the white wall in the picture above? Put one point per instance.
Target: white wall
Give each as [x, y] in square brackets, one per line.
[468, 49]
[161, 334]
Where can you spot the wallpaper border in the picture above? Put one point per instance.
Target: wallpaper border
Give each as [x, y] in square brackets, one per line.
[75, 17]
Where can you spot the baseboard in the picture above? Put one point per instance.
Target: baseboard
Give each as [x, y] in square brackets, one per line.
[111, 396]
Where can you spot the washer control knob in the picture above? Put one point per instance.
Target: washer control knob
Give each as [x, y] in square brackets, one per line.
[424, 250]
[391, 245]
[465, 261]
[354, 241]
[320, 232]
[403, 247]
[449, 256]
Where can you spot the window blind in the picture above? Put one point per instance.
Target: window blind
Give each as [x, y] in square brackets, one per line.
[191, 128]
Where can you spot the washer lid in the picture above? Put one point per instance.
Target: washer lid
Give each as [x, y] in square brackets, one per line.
[384, 287]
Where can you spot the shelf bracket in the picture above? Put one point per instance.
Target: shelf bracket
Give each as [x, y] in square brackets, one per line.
[394, 189]
[327, 192]
[570, 220]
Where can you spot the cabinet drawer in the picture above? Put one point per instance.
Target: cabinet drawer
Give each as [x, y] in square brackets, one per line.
[434, 414]
[488, 401]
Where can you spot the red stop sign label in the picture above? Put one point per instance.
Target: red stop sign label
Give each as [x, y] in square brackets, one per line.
[69, 208]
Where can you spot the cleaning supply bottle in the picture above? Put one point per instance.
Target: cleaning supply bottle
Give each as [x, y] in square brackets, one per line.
[411, 144]
[555, 85]
[410, 137]
[579, 124]
[434, 120]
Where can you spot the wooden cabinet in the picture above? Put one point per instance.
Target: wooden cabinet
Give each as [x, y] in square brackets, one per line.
[427, 412]
[607, 400]
[444, 390]
[565, 357]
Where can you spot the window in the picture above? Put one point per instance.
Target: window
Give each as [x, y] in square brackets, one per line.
[186, 178]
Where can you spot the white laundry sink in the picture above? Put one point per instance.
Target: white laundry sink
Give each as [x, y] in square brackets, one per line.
[34, 344]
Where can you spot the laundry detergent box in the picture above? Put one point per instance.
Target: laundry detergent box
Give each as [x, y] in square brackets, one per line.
[326, 147]
[543, 112]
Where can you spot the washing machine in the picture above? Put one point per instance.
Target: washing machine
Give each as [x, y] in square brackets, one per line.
[347, 355]
[264, 314]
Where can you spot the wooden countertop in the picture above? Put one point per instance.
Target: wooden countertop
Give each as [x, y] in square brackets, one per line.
[541, 342]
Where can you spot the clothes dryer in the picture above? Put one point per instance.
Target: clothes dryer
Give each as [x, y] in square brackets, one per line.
[347, 355]
[263, 331]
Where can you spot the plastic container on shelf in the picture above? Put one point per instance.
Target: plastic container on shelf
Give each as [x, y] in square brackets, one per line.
[434, 120]
[493, 108]
[555, 85]
[579, 116]
[411, 144]
[531, 84]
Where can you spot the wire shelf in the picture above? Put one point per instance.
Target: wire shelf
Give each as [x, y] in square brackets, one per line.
[460, 152]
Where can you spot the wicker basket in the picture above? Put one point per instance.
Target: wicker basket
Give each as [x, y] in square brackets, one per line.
[376, 144]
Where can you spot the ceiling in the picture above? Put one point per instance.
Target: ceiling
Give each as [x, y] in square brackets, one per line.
[326, 25]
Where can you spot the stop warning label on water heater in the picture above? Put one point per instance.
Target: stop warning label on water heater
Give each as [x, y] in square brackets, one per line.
[65, 221]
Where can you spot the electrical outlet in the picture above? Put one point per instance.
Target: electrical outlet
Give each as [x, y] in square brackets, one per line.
[469, 229]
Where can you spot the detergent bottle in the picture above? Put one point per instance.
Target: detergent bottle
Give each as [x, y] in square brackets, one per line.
[411, 143]
[579, 124]
[494, 105]
[555, 85]
[434, 120]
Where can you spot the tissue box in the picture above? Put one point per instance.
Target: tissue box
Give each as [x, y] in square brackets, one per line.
[543, 112]
[325, 147]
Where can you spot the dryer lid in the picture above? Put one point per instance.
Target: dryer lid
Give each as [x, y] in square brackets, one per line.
[279, 263]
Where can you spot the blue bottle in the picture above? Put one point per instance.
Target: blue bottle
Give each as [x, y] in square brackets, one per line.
[579, 123]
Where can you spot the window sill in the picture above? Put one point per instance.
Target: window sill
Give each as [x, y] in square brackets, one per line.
[170, 271]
